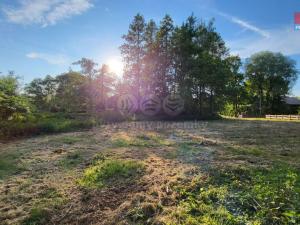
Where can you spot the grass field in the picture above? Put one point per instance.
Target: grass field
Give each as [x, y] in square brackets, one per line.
[209, 172]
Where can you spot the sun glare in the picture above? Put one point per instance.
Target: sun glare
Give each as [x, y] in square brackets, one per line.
[116, 66]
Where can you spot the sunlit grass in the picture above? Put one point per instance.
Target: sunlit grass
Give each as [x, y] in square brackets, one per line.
[105, 172]
[241, 196]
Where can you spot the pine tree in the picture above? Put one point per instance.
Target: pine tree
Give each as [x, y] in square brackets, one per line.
[133, 52]
[151, 57]
[165, 59]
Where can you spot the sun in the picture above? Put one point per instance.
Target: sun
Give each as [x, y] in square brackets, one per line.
[116, 66]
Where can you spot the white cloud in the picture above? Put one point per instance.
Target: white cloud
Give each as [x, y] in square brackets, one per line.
[45, 12]
[283, 40]
[244, 24]
[55, 59]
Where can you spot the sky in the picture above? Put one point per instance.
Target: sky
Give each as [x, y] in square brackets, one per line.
[40, 37]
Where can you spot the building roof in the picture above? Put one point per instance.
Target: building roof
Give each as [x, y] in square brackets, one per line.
[291, 100]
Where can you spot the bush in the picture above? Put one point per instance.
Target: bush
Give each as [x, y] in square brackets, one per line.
[228, 110]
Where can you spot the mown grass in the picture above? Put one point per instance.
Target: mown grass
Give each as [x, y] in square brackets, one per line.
[108, 171]
[10, 164]
[71, 160]
[184, 150]
[142, 140]
[45, 205]
[241, 196]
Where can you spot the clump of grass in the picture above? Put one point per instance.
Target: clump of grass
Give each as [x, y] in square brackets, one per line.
[37, 216]
[106, 172]
[143, 213]
[241, 196]
[10, 164]
[71, 160]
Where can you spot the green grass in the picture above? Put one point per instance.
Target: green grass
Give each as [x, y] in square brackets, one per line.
[70, 140]
[37, 216]
[46, 203]
[241, 196]
[242, 150]
[135, 142]
[71, 160]
[10, 164]
[144, 141]
[106, 172]
[185, 150]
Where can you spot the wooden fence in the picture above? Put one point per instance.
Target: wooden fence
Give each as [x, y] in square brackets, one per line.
[284, 117]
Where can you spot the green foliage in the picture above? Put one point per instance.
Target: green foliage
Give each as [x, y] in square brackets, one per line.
[228, 110]
[270, 76]
[43, 123]
[105, 172]
[41, 92]
[241, 196]
[12, 103]
[71, 93]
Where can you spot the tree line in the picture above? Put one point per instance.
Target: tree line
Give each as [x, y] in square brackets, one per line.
[190, 59]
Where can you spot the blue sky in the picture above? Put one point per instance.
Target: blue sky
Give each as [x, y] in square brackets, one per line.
[40, 37]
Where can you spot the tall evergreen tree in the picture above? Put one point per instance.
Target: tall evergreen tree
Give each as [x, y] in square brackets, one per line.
[184, 59]
[151, 57]
[165, 58]
[133, 52]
